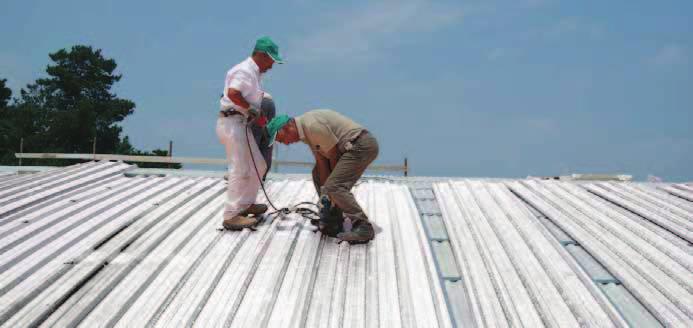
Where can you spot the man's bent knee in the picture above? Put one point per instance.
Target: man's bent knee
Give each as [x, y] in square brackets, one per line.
[334, 189]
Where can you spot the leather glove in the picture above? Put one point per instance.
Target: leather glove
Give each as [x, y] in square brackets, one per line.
[261, 121]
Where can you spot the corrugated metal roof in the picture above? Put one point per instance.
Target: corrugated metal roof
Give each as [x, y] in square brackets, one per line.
[518, 272]
[88, 246]
[6, 175]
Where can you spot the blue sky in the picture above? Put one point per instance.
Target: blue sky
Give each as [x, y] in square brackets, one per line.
[462, 88]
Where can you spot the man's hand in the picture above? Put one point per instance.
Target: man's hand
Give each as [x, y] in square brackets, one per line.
[252, 114]
[261, 121]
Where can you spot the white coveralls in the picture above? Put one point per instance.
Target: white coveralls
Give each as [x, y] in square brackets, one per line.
[243, 183]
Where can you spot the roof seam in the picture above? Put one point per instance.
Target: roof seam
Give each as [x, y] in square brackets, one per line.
[441, 278]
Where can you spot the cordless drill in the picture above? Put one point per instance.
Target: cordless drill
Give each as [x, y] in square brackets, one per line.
[325, 207]
[331, 219]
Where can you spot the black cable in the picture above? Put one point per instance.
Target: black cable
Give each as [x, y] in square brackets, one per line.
[304, 212]
[262, 184]
[307, 203]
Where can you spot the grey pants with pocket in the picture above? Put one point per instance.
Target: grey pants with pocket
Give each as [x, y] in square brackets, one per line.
[347, 172]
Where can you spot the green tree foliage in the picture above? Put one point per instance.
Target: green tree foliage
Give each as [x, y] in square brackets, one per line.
[74, 105]
[5, 123]
[10, 125]
[5, 94]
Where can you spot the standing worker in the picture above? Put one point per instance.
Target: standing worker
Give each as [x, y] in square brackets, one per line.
[242, 97]
[343, 150]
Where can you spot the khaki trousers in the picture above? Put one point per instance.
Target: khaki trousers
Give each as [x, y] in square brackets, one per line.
[243, 184]
[347, 172]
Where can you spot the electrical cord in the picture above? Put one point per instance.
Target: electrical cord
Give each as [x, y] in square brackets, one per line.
[303, 211]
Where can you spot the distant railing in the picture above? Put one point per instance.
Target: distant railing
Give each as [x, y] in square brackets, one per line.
[191, 160]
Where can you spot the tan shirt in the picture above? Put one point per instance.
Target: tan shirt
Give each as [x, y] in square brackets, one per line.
[323, 129]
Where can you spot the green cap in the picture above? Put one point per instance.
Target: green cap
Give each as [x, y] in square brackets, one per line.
[266, 45]
[276, 124]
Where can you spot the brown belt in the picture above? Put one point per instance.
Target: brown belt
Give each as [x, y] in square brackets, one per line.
[363, 132]
[229, 112]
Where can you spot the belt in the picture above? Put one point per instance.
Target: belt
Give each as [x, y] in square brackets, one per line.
[363, 132]
[229, 112]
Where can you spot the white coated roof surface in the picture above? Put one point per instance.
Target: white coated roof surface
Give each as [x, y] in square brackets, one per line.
[89, 246]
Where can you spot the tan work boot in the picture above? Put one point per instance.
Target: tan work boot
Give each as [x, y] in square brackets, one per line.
[255, 209]
[239, 222]
[361, 233]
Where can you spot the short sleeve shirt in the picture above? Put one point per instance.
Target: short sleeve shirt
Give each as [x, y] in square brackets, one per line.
[323, 129]
[246, 78]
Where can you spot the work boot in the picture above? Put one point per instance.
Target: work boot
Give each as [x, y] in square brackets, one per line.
[361, 233]
[239, 222]
[331, 230]
[255, 209]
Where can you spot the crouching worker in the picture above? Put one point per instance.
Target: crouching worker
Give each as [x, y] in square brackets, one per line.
[343, 150]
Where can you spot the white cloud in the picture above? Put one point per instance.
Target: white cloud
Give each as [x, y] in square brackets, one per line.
[670, 55]
[369, 31]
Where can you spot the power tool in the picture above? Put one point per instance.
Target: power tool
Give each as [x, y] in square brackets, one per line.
[331, 220]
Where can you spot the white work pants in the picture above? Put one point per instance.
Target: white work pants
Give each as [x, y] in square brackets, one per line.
[243, 183]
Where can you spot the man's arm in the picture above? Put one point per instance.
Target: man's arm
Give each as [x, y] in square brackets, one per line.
[327, 141]
[239, 85]
[237, 98]
[322, 165]
[332, 157]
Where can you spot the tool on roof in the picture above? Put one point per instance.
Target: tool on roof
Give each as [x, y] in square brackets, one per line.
[331, 218]
[325, 205]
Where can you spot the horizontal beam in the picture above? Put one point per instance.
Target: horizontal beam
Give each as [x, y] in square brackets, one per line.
[124, 158]
[182, 160]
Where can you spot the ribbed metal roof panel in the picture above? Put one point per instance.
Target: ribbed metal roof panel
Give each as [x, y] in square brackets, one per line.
[656, 270]
[149, 251]
[88, 245]
[516, 272]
